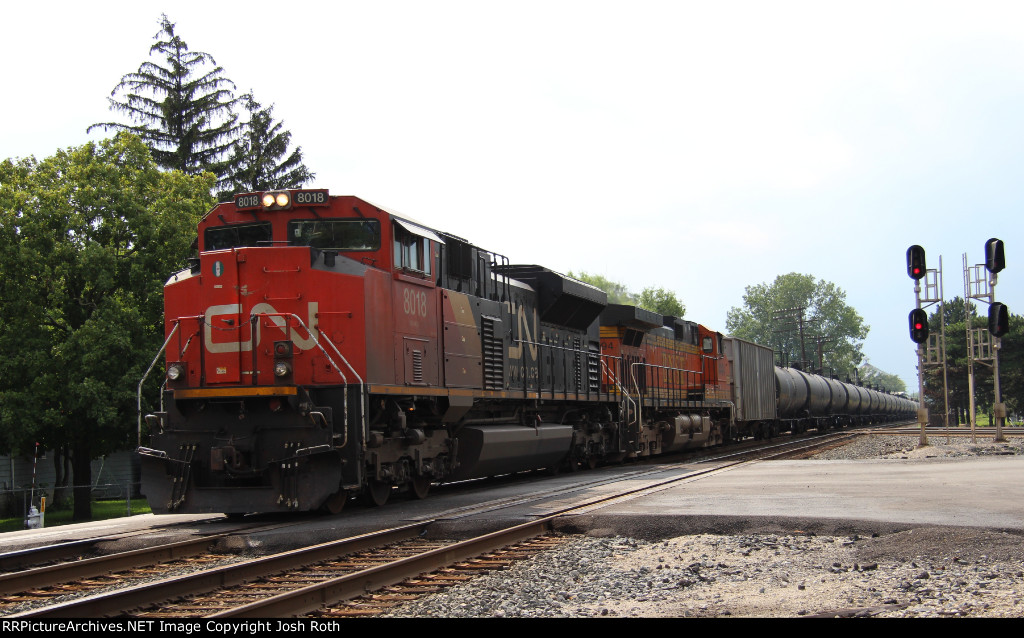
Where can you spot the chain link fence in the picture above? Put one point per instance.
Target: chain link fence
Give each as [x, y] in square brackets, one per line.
[24, 503]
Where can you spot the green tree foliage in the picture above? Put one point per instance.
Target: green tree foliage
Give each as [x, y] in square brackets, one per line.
[1011, 364]
[181, 109]
[259, 158]
[87, 239]
[772, 315]
[618, 293]
[870, 375]
[661, 301]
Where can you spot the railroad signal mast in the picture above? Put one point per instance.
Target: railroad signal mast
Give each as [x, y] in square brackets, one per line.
[980, 283]
[918, 318]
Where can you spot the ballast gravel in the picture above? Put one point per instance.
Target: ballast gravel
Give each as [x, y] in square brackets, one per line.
[919, 572]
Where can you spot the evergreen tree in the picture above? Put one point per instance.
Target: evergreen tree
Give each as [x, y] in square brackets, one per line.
[258, 159]
[183, 112]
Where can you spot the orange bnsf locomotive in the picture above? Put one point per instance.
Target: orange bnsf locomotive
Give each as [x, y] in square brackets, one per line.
[322, 348]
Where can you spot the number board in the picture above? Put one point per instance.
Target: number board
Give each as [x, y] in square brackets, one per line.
[317, 197]
[247, 201]
[312, 197]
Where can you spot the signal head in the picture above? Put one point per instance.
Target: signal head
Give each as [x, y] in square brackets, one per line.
[998, 319]
[915, 262]
[918, 325]
[994, 259]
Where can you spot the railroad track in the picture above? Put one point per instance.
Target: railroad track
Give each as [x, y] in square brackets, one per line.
[981, 432]
[371, 573]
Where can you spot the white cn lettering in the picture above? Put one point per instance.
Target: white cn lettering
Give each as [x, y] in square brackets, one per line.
[516, 352]
[296, 333]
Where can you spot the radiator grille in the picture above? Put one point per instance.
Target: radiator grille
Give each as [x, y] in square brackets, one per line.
[493, 349]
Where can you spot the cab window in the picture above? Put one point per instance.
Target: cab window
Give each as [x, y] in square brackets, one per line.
[237, 236]
[412, 251]
[335, 234]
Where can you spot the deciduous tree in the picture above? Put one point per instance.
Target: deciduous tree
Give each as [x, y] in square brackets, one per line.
[800, 317]
[661, 301]
[87, 239]
[618, 293]
[1011, 364]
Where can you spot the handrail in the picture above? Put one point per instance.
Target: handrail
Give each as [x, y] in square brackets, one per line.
[316, 337]
[632, 372]
[622, 390]
[138, 396]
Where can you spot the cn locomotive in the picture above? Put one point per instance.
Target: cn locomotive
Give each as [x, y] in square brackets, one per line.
[322, 348]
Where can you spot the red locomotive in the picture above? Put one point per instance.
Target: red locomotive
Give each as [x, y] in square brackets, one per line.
[322, 348]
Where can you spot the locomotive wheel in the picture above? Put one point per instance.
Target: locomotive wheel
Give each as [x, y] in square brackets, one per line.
[335, 502]
[377, 493]
[420, 486]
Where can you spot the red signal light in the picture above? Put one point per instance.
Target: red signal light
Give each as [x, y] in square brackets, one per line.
[918, 325]
[915, 262]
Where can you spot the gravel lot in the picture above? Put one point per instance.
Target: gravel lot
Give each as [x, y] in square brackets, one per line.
[920, 572]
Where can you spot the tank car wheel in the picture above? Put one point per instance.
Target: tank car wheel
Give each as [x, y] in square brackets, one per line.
[335, 502]
[377, 493]
[420, 486]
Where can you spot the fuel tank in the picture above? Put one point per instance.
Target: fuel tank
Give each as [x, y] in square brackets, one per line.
[490, 450]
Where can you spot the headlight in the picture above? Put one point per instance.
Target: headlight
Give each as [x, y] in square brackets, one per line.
[277, 200]
[175, 371]
[282, 369]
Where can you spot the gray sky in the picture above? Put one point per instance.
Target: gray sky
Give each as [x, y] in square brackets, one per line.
[698, 146]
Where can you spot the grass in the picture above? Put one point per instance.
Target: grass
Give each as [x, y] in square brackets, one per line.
[101, 510]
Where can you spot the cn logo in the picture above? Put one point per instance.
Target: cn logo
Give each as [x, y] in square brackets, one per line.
[298, 335]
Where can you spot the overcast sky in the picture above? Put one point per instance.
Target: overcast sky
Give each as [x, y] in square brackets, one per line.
[698, 146]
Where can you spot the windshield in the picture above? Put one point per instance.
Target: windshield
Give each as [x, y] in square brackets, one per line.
[335, 234]
[238, 235]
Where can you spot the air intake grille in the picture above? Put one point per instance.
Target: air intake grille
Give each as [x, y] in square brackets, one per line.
[493, 349]
[417, 366]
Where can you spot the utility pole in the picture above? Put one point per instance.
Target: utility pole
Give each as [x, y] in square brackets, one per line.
[794, 317]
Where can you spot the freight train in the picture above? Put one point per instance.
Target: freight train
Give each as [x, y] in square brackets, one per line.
[323, 348]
